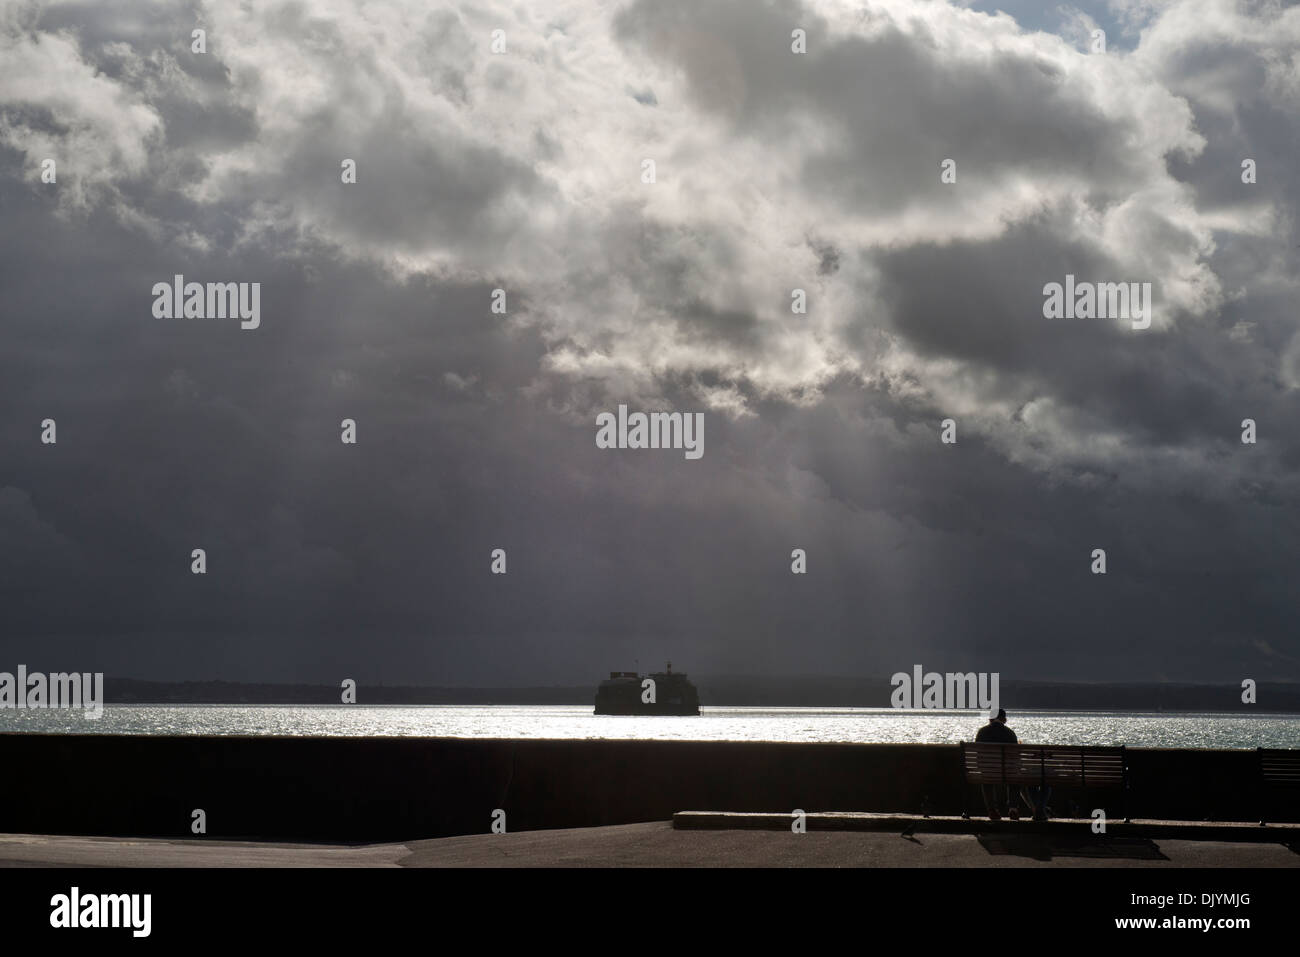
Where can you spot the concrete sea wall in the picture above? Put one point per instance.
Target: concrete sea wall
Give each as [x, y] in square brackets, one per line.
[376, 789]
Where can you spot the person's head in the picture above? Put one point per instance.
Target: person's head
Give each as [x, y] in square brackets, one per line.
[1001, 716]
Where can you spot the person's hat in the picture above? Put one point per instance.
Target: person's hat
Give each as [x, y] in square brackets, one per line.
[1001, 715]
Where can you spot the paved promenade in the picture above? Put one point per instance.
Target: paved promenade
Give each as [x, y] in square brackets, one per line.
[878, 843]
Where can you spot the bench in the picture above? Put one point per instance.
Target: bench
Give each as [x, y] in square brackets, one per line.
[1279, 770]
[1041, 765]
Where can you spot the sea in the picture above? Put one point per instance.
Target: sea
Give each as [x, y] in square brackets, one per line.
[856, 725]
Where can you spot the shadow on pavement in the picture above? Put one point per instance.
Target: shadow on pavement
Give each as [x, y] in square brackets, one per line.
[1044, 847]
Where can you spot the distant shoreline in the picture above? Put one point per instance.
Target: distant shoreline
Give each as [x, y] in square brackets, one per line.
[757, 692]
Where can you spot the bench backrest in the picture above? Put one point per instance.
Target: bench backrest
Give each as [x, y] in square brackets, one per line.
[1280, 767]
[1057, 765]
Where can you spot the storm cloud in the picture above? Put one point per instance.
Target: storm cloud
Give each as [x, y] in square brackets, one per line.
[524, 170]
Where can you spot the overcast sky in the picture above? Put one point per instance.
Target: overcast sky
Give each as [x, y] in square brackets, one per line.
[774, 171]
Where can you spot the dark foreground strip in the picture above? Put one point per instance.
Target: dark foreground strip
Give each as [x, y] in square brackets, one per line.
[488, 908]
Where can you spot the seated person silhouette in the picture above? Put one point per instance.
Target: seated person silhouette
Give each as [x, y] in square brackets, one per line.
[997, 796]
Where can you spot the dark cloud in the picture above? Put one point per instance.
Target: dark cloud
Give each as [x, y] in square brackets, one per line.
[476, 430]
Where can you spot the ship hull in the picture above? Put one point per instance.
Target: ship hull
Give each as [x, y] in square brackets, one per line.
[646, 709]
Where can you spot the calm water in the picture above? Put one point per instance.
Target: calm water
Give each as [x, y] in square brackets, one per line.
[1168, 730]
